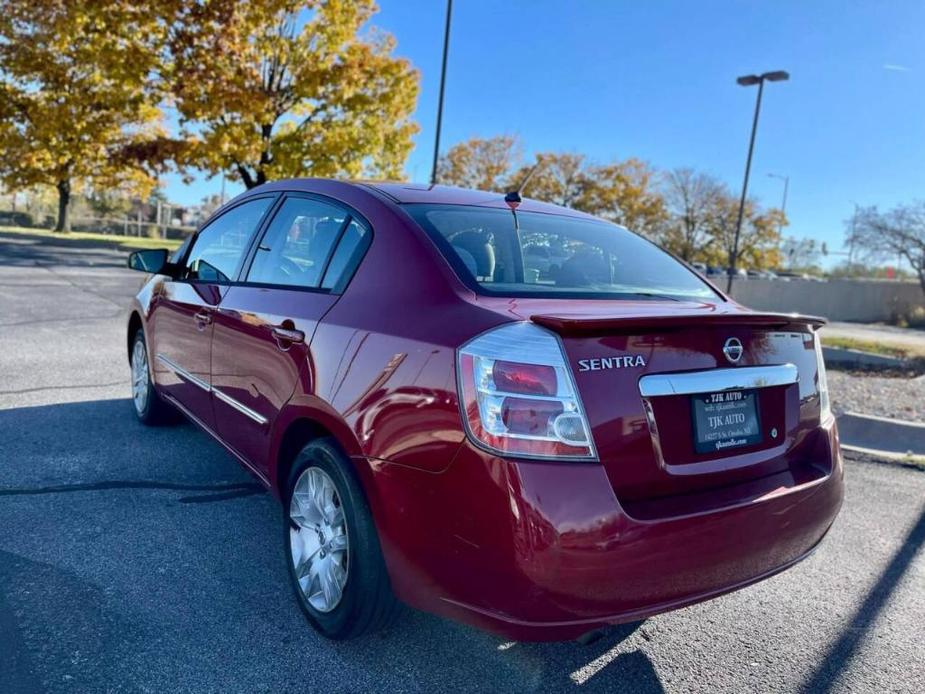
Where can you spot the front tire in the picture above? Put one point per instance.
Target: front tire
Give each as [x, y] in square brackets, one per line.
[332, 547]
[149, 407]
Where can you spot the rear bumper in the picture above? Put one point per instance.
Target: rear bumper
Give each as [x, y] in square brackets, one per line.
[545, 551]
[521, 630]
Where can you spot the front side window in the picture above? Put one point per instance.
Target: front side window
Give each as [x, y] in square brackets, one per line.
[554, 255]
[219, 247]
[298, 243]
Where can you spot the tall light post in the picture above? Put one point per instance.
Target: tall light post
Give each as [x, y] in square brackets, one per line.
[750, 81]
[783, 202]
[446, 49]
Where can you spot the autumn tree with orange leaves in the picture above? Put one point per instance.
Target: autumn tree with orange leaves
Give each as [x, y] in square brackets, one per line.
[264, 89]
[270, 89]
[688, 213]
[480, 163]
[75, 94]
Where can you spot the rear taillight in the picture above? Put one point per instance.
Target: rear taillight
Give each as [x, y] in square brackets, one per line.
[825, 408]
[518, 396]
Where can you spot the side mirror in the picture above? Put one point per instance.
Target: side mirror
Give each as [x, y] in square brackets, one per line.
[153, 261]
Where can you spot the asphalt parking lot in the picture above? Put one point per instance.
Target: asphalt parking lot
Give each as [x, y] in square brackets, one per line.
[136, 559]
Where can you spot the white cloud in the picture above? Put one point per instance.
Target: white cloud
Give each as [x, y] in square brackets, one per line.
[896, 68]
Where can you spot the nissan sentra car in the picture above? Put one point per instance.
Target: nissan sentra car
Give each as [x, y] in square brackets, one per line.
[504, 412]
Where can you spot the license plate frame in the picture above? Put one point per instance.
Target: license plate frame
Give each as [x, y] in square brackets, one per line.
[711, 427]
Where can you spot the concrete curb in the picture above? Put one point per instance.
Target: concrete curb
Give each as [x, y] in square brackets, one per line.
[837, 356]
[892, 437]
[913, 462]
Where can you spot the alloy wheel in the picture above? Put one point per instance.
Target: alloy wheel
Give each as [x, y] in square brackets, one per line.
[139, 376]
[318, 539]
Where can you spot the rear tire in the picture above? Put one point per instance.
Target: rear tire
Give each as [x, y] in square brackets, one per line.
[332, 547]
[148, 405]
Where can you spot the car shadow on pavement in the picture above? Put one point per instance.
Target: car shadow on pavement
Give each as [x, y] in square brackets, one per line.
[461, 658]
[113, 572]
[23, 249]
[76, 631]
[99, 445]
[842, 650]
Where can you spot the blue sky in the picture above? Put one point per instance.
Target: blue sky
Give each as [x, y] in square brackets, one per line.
[656, 80]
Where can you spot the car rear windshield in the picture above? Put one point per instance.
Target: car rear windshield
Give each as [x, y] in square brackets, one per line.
[554, 255]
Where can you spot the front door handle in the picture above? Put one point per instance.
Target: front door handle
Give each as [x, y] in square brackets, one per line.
[203, 318]
[287, 336]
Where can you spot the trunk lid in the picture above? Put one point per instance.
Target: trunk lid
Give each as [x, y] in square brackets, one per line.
[638, 366]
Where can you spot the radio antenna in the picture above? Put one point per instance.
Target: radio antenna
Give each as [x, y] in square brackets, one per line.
[513, 198]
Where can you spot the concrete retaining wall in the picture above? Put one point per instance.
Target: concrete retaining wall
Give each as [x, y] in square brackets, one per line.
[864, 301]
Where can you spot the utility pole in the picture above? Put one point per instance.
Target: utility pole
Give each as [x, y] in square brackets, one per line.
[446, 49]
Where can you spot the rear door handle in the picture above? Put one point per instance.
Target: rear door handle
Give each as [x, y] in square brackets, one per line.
[203, 318]
[287, 335]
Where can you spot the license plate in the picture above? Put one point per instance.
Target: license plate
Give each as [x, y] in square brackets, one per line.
[725, 420]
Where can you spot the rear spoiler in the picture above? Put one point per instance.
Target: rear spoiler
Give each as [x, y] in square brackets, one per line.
[577, 324]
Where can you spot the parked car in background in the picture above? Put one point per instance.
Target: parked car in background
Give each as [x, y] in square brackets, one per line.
[534, 443]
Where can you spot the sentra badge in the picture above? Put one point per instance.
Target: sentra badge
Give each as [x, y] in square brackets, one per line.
[626, 361]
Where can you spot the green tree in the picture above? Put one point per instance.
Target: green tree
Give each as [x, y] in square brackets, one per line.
[108, 202]
[75, 92]
[271, 89]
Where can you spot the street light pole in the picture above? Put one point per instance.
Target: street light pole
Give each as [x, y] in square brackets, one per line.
[783, 202]
[446, 48]
[749, 81]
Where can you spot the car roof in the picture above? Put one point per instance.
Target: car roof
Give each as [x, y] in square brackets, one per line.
[403, 193]
[411, 193]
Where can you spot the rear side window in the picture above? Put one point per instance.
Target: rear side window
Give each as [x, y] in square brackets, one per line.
[220, 246]
[349, 251]
[554, 255]
[298, 244]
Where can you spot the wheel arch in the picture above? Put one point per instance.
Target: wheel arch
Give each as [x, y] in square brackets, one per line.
[134, 323]
[298, 426]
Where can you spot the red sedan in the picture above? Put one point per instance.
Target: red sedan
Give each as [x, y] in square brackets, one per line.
[507, 413]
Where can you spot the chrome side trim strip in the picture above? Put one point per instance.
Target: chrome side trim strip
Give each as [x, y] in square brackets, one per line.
[715, 380]
[183, 373]
[227, 399]
[240, 407]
